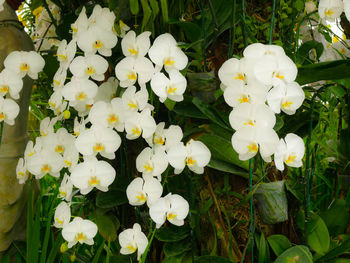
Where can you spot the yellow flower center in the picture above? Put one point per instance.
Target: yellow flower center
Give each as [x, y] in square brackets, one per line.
[250, 122]
[24, 67]
[46, 168]
[141, 197]
[243, 99]
[94, 181]
[328, 12]
[136, 131]
[169, 62]
[171, 90]
[59, 149]
[99, 147]
[112, 119]
[159, 140]
[62, 57]
[133, 51]
[98, 44]
[171, 216]
[75, 30]
[290, 159]
[279, 76]
[90, 70]
[63, 193]
[52, 105]
[68, 163]
[190, 161]
[59, 221]
[148, 168]
[132, 105]
[80, 237]
[81, 96]
[287, 104]
[253, 147]
[240, 76]
[2, 116]
[4, 89]
[131, 248]
[131, 76]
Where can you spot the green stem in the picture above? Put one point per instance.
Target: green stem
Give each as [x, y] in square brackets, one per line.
[108, 251]
[204, 37]
[144, 255]
[272, 21]
[53, 20]
[1, 131]
[243, 24]
[251, 208]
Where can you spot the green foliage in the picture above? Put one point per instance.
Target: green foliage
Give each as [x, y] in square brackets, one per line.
[279, 244]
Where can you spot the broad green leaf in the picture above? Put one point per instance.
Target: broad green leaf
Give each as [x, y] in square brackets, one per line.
[107, 226]
[318, 237]
[147, 12]
[191, 30]
[211, 259]
[339, 69]
[263, 249]
[295, 254]
[134, 7]
[222, 149]
[306, 47]
[279, 243]
[155, 8]
[229, 168]
[112, 198]
[112, 4]
[164, 6]
[172, 233]
[336, 217]
[336, 252]
[177, 248]
[170, 104]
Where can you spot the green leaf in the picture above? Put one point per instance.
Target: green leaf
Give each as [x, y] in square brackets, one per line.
[339, 69]
[134, 7]
[279, 244]
[112, 4]
[164, 6]
[305, 49]
[191, 30]
[107, 226]
[177, 248]
[211, 259]
[343, 248]
[338, 91]
[112, 198]
[147, 12]
[170, 104]
[229, 168]
[336, 217]
[155, 8]
[263, 249]
[221, 149]
[318, 237]
[172, 233]
[295, 254]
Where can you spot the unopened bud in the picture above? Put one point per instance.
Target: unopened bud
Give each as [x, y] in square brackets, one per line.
[64, 247]
[66, 114]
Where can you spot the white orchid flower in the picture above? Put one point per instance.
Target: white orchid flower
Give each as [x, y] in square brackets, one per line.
[289, 151]
[347, 9]
[96, 39]
[60, 78]
[330, 10]
[310, 6]
[152, 162]
[341, 48]
[107, 90]
[253, 93]
[133, 239]
[275, 70]
[286, 98]
[136, 46]
[165, 52]
[247, 141]
[59, 141]
[172, 87]
[21, 171]
[123, 28]
[257, 115]
[233, 72]
[97, 139]
[79, 230]
[25, 63]
[30, 149]
[93, 66]
[256, 51]
[194, 154]
[139, 191]
[46, 126]
[66, 52]
[102, 17]
[57, 104]
[130, 69]
[165, 138]
[79, 127]
[140, 123]
[9, 110]
[10, 83]
[66, 188]
[45, 162]
[80, 25]
[108, 115]
[172, 207]
[79, 90]
[62, 215]
[92, 173]
[134, 101]
[2, 5]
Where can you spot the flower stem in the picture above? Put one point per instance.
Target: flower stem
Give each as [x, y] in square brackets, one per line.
[144, 255]
[108, 251]
[272, 21]
[1, 131]
[251, 209]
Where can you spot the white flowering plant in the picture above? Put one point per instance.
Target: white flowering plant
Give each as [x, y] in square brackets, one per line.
[154, 123]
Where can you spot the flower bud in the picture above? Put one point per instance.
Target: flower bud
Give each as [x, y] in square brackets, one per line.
[64, 247]
[66, 114]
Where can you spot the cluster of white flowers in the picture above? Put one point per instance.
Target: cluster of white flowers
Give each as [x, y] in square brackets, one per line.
[17, 64]
[101, 115]
[264, 74]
